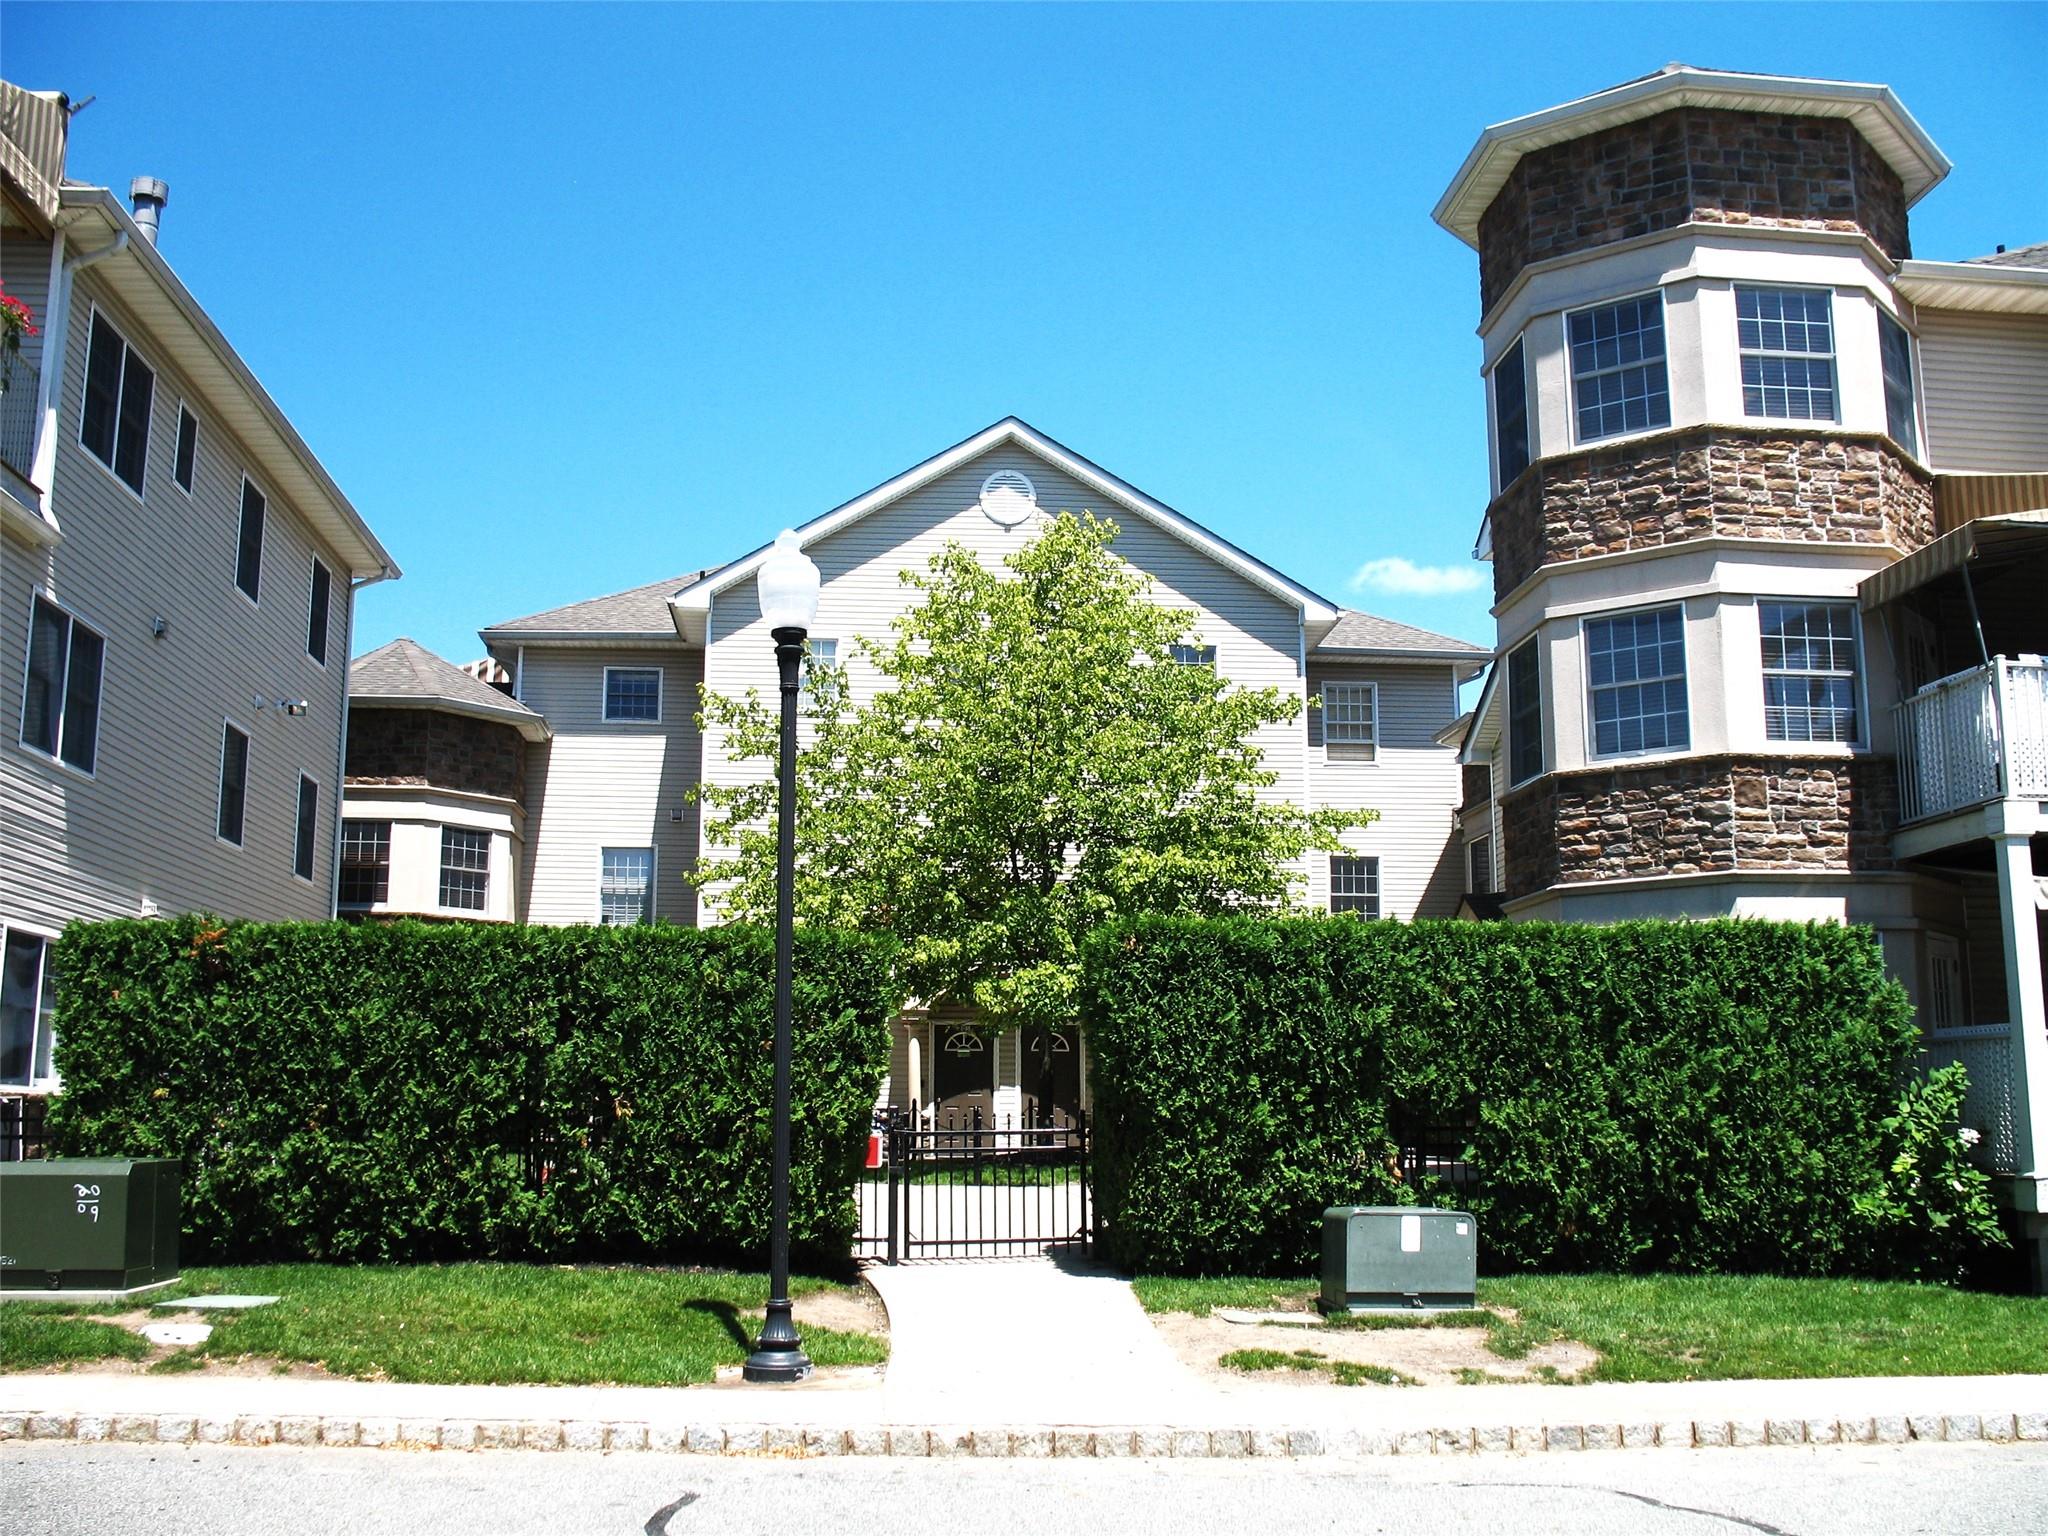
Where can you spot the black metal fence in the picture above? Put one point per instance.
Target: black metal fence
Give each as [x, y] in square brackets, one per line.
[21, 1127]
[965, 1184]
[1431, 1155]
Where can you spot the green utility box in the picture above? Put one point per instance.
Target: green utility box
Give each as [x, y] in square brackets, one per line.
[1381, 1257]
[88, 1224]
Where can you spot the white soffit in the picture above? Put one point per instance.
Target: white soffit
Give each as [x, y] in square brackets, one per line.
[1878, 114]
[694, 602]
[1974, 285]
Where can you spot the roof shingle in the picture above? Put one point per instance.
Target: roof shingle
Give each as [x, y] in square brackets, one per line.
[1355, 631]
[2020, 256]
[406, 670]
[636, 611]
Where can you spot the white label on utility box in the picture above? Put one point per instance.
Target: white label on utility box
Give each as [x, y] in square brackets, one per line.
[1411, 1234]
[1463, 1228]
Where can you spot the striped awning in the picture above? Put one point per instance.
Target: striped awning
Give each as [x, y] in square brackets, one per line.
[2011, 536]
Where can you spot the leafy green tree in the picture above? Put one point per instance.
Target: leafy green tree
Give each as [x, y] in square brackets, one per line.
[1034, 763]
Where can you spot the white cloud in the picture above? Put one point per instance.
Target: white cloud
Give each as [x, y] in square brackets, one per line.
[1408, 579]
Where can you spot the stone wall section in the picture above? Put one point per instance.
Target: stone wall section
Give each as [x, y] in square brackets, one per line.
[1699, 816]
[1699, 482]
[431, 748]
[1691, 164]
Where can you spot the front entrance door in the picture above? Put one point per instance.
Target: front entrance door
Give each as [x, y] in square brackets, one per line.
[963, 1076]
[1052, 1075]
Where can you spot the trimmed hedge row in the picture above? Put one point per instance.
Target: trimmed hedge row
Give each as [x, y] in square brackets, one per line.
[1649, 1096]
[413, 1091]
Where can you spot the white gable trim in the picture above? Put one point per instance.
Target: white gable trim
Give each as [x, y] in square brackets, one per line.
[692, 606]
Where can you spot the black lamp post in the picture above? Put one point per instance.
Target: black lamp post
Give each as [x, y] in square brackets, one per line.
[788, 585]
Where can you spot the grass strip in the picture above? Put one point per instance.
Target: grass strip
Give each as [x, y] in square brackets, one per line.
[1704, 1327]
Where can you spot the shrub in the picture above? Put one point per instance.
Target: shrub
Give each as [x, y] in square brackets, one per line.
[413, 1091]
[1642, 1096]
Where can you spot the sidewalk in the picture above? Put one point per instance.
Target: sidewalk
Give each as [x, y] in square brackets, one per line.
[1026, 1358]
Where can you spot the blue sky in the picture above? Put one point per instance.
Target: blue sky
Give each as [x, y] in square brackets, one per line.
[572, 299]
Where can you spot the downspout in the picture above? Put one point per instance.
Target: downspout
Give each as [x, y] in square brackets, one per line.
[49, 388]
[348, 642]
[1308, 797]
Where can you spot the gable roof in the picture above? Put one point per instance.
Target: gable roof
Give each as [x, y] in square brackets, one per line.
[1877, 113]
[406, 675]
[637, 613]
[1365, 634]
[691, 607]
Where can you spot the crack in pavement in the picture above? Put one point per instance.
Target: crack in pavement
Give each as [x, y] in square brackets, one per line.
[1743, 1521]
[657, 1523]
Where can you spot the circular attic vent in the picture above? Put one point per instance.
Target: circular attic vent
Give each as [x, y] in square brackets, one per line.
[1008, 497]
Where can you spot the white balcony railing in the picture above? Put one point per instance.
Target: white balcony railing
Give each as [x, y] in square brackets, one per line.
[1978, 736]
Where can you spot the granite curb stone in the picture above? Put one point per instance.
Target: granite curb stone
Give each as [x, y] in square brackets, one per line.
[1022, 1441]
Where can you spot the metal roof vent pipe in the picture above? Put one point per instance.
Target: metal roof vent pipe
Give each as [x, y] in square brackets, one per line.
[148, 196]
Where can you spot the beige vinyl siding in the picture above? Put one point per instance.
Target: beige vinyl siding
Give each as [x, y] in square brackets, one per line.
[1413, 782]
[1984, 380]
[601, 784]
[143, 826]
[1256, 634]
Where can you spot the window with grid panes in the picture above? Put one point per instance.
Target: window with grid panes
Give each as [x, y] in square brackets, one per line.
[365, 863]
[465, 869]
[1787, 341]
[1635, 682]
[1351, 720]
[625, 888]
[1809, 662]
[632, 693]
[1619, 383]
[1355, 885]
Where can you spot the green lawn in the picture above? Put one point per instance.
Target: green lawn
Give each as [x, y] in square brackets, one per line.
[1704, 1327]
[38, 1333]
[478, 1323]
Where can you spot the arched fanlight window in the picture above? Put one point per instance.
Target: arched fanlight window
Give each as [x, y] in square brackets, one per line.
[964, 1042]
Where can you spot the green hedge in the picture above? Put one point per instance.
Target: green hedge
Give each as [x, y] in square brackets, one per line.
[412, 1091]
[1646, 1096]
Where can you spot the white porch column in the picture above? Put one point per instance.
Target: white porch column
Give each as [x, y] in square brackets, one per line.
[2024, 1008]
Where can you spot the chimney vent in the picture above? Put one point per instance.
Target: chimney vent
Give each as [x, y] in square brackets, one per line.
[148, 196]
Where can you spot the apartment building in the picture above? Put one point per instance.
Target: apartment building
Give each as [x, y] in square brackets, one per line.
[1769, 549]
[177, 581]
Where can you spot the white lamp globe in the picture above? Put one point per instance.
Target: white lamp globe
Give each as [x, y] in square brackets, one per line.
[788, 583]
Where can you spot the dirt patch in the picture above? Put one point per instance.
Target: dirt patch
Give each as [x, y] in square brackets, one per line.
[858, 1310]
[1430, 1356]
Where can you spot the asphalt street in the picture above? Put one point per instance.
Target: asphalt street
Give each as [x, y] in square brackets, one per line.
[87, 1490]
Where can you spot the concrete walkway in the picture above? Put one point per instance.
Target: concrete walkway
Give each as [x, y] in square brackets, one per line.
[1033, 1338]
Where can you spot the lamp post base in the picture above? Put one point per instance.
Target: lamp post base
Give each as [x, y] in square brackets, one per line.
[778, 1353]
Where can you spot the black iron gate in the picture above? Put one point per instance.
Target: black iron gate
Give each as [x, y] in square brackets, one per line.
[963, 1184]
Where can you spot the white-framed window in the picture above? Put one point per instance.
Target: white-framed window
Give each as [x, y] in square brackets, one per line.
[1193, 655]
[1619, 382]
[318, 602]
[249, 540]
[1635, 682]
[625, 886]
[1786, 337]
[1348, 723]
[1510, 417]
[1901, 398]
[120, 389]
[60, 690]
[28, 1008]
[465, 869]
[1810, 656]
[186, 465]
[1479, 865]
[632, 694]
[818, 652]
[1525, 712]
[307, 835]
[1355, 885]
[232, 805]
[365, 863]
